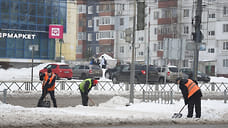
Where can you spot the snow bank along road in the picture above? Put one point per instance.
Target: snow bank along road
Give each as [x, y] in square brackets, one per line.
[112, 112]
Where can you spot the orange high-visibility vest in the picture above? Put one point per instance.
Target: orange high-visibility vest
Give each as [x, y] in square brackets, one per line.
[45, 81]
[192, 87]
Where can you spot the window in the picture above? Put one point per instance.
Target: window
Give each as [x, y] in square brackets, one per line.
[121, 21]
[155, 31]
[225, 62]
[121, 49]
[225, 45]
[140, 38]
[211, 33]
[90, 10]
[105, 7]
[97, 9]
[211, 50]
[90, 23]
[225, 11]
[211, 15]
[81, 36]
[156, 15]
[122, 35]
[105, 21]
[81, 8]
[97, 50]
[186, 12]
[90, 37]
[97, 22]
[225, 27]
[155, 47]
[97, 36]
[106, 35]
[141, 53]
[160, 45]
[186, 30]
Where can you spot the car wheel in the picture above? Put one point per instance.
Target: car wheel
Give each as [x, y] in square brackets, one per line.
[69, 78]
[114, 80]
[83, 76]
[136, 81]
[57, 77]
[107, 75]
[161, 80]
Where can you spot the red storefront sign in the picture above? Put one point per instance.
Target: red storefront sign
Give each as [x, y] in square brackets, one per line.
[56, 31]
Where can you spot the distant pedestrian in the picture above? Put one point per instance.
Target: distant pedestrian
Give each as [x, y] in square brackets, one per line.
[192, 95]
[103, 62]
[48, 86]
[85, 87]
[92, 62]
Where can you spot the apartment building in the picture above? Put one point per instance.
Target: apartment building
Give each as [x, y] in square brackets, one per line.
[106, 24]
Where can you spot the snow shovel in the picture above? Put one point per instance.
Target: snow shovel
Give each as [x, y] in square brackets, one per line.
[178, 115]
[93, 104]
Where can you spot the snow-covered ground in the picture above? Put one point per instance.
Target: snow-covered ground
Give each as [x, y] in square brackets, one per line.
[113, 111]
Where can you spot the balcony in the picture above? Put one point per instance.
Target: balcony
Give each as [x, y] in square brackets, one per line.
[167, 20]
[166, 4]
[162, 36]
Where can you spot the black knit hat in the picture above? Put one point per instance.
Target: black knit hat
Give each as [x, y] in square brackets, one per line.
[49, 70]
[178, 78]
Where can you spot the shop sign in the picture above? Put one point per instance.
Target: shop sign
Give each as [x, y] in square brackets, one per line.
[56, 31]
[17, 35]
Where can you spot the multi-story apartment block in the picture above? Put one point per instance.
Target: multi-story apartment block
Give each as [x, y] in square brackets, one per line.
[96, 28]
[104, 24]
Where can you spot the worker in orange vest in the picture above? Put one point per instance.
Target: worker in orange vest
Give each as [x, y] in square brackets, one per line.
[192, 95]
[48, 86]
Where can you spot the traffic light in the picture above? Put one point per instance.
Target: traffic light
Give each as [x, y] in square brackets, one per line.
[194, 37]
[140, 15]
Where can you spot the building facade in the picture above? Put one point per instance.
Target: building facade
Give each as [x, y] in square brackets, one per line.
[24, 24]
[104, 26]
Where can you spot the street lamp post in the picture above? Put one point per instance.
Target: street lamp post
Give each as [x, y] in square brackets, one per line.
[132, 74]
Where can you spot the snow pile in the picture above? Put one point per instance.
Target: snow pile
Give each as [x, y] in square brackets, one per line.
[113, 111]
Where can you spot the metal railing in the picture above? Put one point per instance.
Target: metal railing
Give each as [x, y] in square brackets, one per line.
[72, 85]
[163, 97]
[4, 96]
[225, 96]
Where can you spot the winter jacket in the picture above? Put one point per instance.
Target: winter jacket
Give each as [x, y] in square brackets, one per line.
[49, 81]
[196, 92]
[86, 85]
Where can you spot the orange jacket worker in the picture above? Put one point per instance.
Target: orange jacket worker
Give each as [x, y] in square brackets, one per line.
[48, 86]
[192, 95]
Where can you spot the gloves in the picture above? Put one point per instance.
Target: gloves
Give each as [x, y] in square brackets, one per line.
[48, 80]
[186, 101]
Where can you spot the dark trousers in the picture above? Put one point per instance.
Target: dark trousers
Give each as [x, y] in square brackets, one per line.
[44, 93]
[194, 101]
[84, 98]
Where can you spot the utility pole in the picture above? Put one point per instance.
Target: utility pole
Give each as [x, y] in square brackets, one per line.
[132, 74]
[198, 37]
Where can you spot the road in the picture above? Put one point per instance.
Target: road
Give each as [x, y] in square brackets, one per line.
[62, 101]
[169, 126]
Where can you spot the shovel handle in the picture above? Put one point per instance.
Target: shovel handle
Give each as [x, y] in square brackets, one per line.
[182, 109]
[91, 101]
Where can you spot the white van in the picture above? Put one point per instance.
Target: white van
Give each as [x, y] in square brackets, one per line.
[169, 72]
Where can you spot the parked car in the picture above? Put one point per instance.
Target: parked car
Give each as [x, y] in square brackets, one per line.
[169, 72]
[123, 75]
[200, 76]
[87, 71]
[61, 70]
[109, 72]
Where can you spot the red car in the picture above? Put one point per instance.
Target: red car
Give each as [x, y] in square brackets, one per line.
[60, 70]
